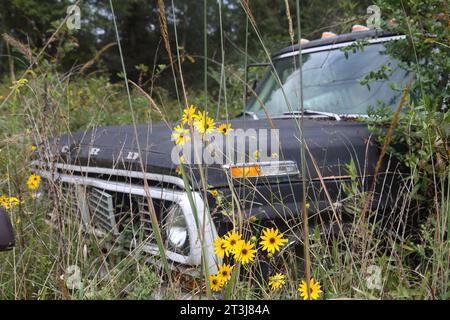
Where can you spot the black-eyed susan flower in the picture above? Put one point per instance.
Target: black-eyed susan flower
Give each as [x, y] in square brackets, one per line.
[314, 289]
[4, 202]
[225, 129]
[224, 273]
[215, 283]
[220, 247]
[189, 115]
[180, 135]
[203, 123]
[245, 252]
[232, 239]
[210, 125]
[272, 240]
[33, 182]
[277, 281]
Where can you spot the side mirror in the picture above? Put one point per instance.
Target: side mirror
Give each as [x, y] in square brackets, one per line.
[252, 77]
[6, 232]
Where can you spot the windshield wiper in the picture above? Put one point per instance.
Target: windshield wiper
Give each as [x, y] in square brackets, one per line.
[312, 112]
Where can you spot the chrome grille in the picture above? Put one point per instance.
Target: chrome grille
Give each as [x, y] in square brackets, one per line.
[69, 195]
[144, 218]
[117, 208]
[102, 210]
[74, 202]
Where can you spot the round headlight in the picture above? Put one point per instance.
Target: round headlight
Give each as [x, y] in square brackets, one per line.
[176, 228]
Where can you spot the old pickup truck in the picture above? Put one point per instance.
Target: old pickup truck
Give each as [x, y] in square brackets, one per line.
[109, 172]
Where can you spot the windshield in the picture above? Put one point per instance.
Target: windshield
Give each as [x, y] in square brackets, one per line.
[334, 81]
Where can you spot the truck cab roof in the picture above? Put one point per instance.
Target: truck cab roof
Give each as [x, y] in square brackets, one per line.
[342, 38]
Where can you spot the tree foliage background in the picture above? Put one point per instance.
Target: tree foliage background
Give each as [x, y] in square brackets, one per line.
[33, 22]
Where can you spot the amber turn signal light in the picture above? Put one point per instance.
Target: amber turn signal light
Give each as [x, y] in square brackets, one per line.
[242, 172]
[262, 169]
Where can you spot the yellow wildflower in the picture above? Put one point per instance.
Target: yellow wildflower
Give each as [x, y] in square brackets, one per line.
[245, 252]
[272, 240]
[220, 247]
[33, 182]
[203, 123]
[277, 281]
[4, 201]
[225, 129]
[224, 273]
[231, 240]
[314, 289]
[8, 203]
[180, 135]
[14, 201]
[189, 115]
[215, 282]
